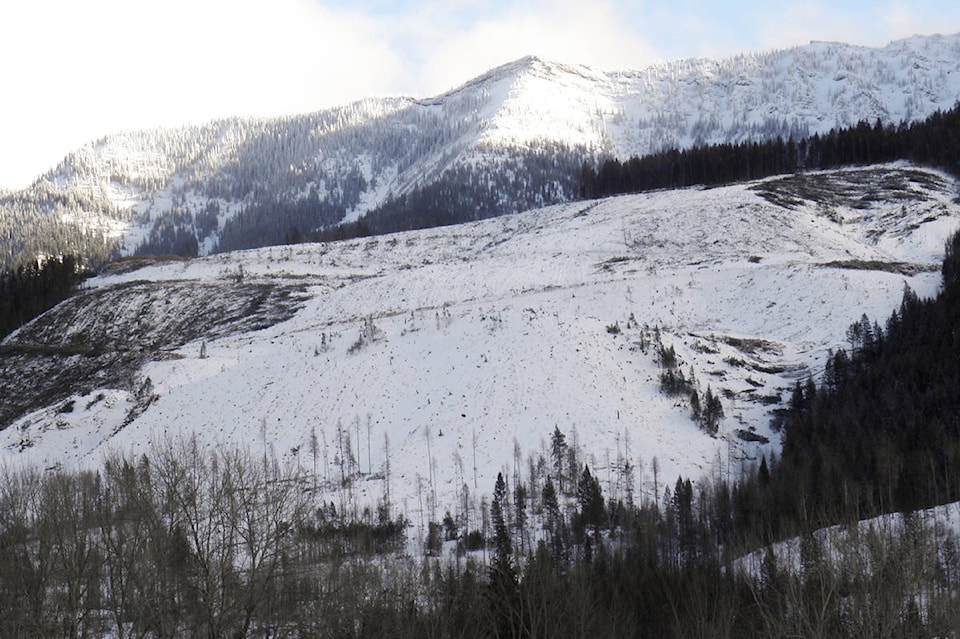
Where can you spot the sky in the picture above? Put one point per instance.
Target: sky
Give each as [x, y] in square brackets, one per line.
[75, 70]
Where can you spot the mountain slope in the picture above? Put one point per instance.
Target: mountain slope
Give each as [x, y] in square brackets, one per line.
[453, 351]
[509, 140]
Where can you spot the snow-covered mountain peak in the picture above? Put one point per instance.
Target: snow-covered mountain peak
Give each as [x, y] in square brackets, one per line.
[510, 139]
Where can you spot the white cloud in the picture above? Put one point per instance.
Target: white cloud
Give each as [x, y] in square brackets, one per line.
[904, 19]
[85, 69]
[861, 23]
[562, 31]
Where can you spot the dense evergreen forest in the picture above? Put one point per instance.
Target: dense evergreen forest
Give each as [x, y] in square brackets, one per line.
[43, 222]
[532, 179]
[933, 142]
[881, 432]
[30, 290]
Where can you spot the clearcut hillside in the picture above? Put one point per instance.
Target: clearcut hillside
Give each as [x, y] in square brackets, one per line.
[426, 361]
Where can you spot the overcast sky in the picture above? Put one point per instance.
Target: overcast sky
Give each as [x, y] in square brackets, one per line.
[75, 70]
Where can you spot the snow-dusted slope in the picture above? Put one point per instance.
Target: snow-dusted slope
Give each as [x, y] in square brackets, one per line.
[929, 529]
[453, 348]
[799, 91]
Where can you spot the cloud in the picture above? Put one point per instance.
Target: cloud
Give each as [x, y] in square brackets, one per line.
[562, 31]
[904, 19]
[85, 69]
[854, 22]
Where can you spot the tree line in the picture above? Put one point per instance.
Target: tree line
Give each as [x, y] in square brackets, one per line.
[29, 290]
[934, 141]
[516, 181]
[222, 543]
[880, 432]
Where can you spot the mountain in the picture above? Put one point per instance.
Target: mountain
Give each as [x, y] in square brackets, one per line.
[509, 140]
[454, 352]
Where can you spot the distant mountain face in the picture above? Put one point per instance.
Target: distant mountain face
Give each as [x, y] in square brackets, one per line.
[509, 140]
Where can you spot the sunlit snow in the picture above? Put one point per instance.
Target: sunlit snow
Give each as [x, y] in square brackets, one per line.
[481, 338]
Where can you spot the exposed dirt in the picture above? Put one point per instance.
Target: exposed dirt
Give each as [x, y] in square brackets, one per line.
[101, 337]
[856, 189]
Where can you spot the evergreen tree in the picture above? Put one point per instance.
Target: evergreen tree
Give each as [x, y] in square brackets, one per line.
[502, 559]
[504, 583]
[554, 524]
[590, 501]
[711, 413]
[558, 453]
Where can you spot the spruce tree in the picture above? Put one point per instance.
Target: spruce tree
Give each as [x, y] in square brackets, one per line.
[504, 586]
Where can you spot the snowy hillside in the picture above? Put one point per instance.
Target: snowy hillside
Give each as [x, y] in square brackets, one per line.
[840, 542]
[455, 352]
[509, 140]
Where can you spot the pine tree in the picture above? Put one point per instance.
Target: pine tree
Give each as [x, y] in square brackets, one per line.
[712, 412]
[504, 585]
[501, 534]
[763, 474]
[554, 523]
[558, 450]
[590, 500]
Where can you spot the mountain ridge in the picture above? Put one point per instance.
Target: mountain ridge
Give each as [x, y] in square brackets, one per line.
[510, 139]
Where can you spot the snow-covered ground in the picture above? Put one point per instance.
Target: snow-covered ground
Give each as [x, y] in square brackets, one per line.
[850, 544]
[449, 349]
